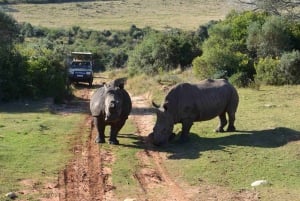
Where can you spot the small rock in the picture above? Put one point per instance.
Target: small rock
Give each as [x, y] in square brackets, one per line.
[258, 183]
[130, 199]
[11, 195]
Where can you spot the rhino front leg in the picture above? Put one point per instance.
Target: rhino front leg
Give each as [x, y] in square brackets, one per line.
[114, 130]
[186, 126]
[100, 128]
[222, 123]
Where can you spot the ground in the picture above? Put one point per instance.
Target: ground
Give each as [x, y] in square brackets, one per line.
[87, 178]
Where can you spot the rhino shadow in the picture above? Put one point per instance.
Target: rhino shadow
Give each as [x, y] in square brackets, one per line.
[82, 85]
[270, 138]
[143, 111]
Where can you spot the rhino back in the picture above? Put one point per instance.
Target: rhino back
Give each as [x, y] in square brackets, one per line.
[202, 101]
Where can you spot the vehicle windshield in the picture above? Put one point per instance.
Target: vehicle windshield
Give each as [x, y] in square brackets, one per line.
[81, 64]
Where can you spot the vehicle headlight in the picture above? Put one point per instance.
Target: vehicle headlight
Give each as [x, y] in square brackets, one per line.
[88, 73]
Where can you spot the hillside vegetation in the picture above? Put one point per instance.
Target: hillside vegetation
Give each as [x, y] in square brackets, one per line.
[248, 48]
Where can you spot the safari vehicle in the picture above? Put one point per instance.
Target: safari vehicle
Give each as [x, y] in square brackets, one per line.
[80, 67]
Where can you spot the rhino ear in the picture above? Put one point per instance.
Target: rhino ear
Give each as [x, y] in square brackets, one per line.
[165, 106]
[120, 82]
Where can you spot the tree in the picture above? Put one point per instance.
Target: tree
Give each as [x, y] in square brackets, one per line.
[271, 38]
[12, 64]
[225, 51]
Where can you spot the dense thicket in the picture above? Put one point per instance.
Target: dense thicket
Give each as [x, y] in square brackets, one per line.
[251, 45]
[27, 72]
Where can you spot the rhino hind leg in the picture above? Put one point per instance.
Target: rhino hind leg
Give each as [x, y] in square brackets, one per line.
[100, 131]
[222, 123]
[231, 127]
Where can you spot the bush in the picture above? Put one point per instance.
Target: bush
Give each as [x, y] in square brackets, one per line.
[290, 67]
[225, 51]
[201, 69]
[163, 52]
[240, 79]
[267, 71]
[285, 70]
[274, 38]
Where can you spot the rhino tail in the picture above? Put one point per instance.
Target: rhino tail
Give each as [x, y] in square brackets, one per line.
[155, 105]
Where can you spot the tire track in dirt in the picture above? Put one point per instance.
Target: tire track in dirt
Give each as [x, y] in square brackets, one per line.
[85, 178]
[152, 176]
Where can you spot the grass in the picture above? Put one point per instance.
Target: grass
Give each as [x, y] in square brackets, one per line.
[29, 146]
[126, 163]
[120, 15]
[264, 147]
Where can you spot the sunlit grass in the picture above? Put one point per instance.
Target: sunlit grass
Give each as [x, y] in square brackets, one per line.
[120, 15]
[34, 144]
[265, 146]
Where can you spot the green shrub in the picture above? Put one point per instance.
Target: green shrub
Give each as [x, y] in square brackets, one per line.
[290, 67]
[268, 72]
[240, 79]
[285, 70]
[201, 69]
[274, 38]
[163, 52]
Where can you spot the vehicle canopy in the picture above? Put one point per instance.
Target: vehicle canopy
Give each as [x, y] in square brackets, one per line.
[82, 56]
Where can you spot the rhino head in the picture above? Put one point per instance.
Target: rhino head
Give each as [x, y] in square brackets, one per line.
[113, 101]
[163, 128]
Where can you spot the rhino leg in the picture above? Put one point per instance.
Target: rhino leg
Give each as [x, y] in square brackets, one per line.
[114, 130]
[186, 126]
[100, 130]
[222, 123]
[231, 118]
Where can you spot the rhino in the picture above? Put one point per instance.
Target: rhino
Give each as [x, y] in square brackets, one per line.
[110, 106]
[187, 103]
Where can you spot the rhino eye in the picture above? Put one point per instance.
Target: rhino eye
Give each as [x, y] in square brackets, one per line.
[112, 105]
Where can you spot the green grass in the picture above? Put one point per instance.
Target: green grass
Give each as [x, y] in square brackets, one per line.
[120, 15]
[34, 144]
[126, 162]
[266, 146]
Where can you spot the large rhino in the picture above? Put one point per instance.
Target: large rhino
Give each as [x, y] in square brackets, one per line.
[187, 103]
[110, 105]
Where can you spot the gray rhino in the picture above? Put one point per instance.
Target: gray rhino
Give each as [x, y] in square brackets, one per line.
[110, 105]
[187, 103]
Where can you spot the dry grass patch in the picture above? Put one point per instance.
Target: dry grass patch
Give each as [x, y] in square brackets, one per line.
[120, 15]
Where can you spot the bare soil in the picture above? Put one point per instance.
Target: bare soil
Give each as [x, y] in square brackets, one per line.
[87, 178]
